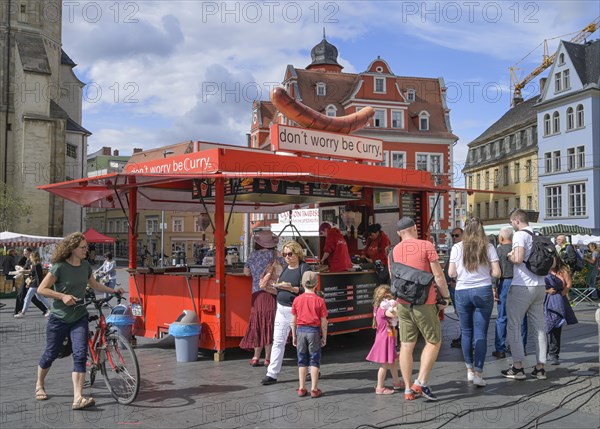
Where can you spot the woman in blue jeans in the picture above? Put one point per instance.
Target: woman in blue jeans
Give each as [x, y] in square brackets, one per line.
[474, 262]
[65, 284]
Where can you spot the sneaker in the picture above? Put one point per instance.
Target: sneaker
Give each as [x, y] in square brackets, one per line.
[268, 380]
[479, 381]
[470, 375]
[425, 391]
[512, 372]
[540, 374]
[317, 393]
[19, 315]
[554, 360]
[302, 392]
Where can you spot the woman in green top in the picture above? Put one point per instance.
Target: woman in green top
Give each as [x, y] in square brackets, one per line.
[66, 283]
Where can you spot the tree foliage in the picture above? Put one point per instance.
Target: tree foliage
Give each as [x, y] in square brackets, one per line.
[12, 207]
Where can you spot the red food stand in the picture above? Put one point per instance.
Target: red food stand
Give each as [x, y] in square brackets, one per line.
[229, 178]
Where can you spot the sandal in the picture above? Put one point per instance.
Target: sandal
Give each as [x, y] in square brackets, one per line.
[40, 394]
[384, 391]
[399, 386]
[267, 362]
[82, 403]
[255, 362]
[316, 393]
[409, 395]
[302, 392]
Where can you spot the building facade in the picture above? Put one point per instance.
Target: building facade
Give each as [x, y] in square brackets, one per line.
[503, 162]
[411, 115]
[568, 115]
[42, 140]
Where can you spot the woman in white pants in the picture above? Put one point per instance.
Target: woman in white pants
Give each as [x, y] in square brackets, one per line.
[288, 288]
[37, 275]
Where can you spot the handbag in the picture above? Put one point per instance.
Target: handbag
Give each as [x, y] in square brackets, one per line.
[66, 349]
[270, 274]
[410, 284]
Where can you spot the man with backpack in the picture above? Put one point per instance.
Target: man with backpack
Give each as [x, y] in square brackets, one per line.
[569, 255]
[421, 318]
[530, 255]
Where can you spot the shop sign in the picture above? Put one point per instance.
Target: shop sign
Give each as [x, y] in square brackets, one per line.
[300, 216]
[184, 164]
[321, 143]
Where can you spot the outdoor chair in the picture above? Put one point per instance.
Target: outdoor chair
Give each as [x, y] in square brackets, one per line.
[582, 293]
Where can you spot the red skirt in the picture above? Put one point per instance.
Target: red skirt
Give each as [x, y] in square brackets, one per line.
[262, 321]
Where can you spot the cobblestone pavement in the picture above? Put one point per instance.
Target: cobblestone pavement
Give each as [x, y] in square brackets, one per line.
[229, 394]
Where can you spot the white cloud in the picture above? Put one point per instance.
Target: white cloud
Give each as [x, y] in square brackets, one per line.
[177, 70]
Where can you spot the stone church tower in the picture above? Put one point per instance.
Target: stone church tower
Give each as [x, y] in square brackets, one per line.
[41, 137]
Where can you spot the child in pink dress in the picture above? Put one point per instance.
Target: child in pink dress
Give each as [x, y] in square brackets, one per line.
[384, 351]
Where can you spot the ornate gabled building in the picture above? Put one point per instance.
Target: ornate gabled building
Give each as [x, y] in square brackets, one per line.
[504, 159]
[41, 139]
[411, 115]
[568, 115]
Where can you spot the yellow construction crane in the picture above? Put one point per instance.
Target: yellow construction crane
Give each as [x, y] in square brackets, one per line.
[516, 85]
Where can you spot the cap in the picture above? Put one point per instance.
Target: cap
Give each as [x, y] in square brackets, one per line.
[266, 239]
[309, 279]
[324, 227]
[404, 223]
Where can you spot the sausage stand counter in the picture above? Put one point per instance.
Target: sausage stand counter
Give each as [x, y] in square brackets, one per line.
[219, 181]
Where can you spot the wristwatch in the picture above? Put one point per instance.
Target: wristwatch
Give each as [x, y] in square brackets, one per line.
[445, 297]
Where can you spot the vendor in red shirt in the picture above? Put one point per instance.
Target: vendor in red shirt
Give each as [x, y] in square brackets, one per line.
[377, 244]
[335, 250]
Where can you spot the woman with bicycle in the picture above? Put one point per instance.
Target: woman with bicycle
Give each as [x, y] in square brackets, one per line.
[65, 284]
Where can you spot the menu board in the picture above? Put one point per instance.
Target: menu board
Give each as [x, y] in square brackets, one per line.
[203, 188]
[349, 299]
[411, 207]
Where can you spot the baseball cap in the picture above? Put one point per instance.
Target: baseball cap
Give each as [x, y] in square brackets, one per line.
[404, 223]
[309, 279]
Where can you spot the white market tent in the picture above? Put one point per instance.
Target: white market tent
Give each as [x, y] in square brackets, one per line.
[551, 229]
[585, 239]
[8, 238]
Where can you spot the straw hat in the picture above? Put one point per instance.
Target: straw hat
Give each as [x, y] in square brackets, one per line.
[266, 239]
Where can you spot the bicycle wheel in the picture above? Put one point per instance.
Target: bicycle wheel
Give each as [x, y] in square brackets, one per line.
[120, 369]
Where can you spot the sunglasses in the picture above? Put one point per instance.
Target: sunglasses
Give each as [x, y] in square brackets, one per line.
[456, 235]
[288, 254]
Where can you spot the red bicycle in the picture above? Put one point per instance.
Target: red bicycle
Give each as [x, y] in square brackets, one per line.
[112, 354]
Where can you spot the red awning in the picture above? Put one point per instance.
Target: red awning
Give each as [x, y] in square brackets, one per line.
[93, 236]
[167, 183]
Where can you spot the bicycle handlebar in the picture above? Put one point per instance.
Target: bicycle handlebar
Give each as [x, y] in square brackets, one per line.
[99, 302]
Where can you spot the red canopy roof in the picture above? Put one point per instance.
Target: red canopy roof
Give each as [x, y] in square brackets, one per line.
[93, 236]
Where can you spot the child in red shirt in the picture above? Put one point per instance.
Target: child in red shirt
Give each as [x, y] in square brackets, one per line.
[309, 333]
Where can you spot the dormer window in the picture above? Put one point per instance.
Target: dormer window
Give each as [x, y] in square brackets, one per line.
[380, 84]
[331, 110]
[424, 121]
[321, 89]
[561, 59]
[411, 95]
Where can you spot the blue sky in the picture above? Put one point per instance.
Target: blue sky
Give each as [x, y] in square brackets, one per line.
[161, 72]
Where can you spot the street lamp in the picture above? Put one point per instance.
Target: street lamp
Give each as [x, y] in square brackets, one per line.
[162, 223]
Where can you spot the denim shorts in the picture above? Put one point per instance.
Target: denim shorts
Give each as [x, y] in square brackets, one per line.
[308, 341]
